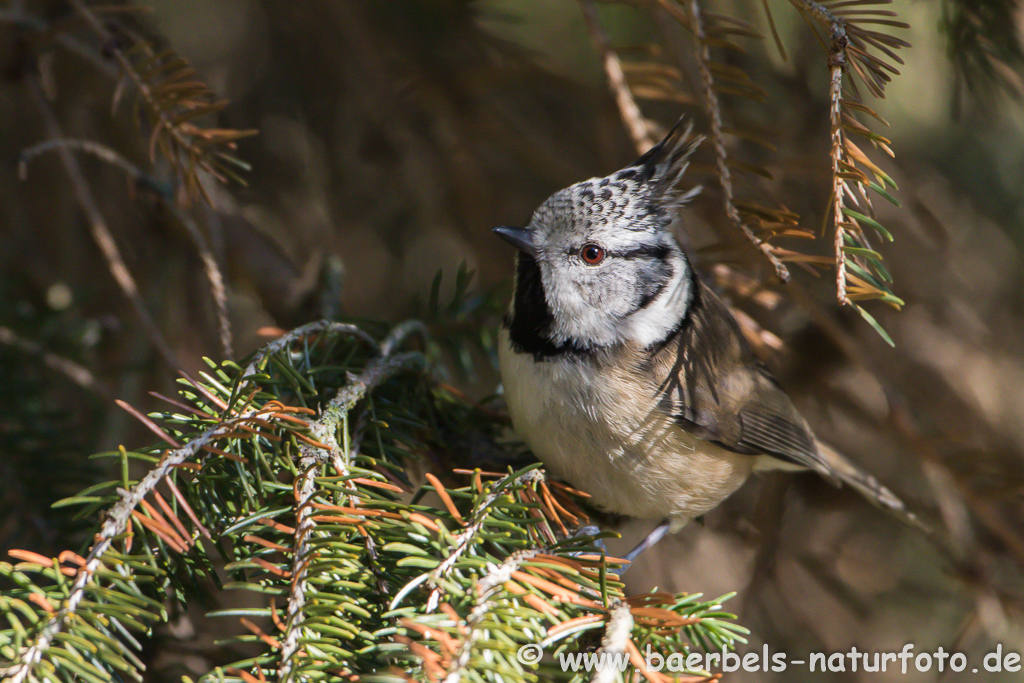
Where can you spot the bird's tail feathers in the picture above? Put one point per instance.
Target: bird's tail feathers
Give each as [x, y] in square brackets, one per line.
[845, 472]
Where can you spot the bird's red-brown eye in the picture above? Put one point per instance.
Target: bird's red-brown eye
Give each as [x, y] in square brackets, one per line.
[592, 254]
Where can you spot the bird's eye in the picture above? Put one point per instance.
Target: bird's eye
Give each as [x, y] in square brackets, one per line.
[592, 254]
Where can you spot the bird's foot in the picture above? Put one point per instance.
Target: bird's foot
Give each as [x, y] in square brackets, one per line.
[651, 539]
[589, 530]
[592, 530]
[656, 535]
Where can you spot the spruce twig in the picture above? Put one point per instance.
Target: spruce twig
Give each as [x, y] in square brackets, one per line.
[313, 456]
[859, 271]
[325, 326]
[116, 523]
[173, 104]
[714, 110]
[486, 588]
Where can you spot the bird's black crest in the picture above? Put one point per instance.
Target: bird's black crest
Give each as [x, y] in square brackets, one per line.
[665, 163]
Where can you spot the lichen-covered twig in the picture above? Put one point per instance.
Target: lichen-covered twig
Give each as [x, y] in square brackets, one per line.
[617, 635]
[462, 542]
[399, 333]
[837, 62]
[325, 431]
[298, 333]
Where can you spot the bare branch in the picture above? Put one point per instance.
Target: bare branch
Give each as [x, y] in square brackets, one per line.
[210, 267]
[637, 126]
[98, 150]
[97, 225]
[15, 15]
[213, 273]
[78, 374]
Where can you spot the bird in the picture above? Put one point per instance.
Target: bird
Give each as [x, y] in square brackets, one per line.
[626, 374]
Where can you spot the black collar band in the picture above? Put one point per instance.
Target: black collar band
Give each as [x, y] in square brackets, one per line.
[530, 321]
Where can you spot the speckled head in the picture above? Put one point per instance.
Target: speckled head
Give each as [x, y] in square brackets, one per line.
[599, 264]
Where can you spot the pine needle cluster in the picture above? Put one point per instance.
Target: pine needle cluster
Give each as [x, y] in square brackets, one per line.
[286, 478]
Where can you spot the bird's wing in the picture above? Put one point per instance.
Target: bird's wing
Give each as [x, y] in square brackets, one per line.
[715, 388]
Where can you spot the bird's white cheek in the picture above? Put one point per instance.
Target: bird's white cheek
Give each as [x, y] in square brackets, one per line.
[652, 324]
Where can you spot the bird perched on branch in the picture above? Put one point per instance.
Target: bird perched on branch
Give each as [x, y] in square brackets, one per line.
[625, 374]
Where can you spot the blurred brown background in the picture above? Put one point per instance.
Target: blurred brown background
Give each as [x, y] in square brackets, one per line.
[393, 136]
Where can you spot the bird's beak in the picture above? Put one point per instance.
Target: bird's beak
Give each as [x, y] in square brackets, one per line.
[520, 238]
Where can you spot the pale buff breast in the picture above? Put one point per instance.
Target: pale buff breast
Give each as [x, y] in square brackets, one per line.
[600, 431]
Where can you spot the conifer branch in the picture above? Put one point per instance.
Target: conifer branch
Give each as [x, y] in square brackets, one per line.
[302, 332]
[837, 63]
[714, 110]
[173, 104]
[301, 555]
[985, 44]
[486, 588]
[463, 540]
[346, 559]
[325, 430]
[116, 523]
[859, 271]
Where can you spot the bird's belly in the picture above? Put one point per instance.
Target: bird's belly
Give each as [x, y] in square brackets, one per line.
[600, 436]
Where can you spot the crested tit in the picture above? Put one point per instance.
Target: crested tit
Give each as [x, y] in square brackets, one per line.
[625, 374]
